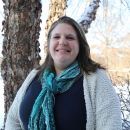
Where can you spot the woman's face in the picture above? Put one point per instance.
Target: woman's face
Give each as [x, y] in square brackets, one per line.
[64, 46]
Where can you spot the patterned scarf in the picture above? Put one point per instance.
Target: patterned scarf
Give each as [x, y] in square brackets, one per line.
[42, 116]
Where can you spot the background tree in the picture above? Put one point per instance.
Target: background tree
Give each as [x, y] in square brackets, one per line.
[110, 33]
[21, 28]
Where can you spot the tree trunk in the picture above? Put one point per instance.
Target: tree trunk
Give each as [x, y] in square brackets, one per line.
[20, 45]
[89, 15]
[56, 10]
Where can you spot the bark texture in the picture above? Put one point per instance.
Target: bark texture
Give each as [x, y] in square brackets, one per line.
[56, 10]
[89, 15]
[21, 29]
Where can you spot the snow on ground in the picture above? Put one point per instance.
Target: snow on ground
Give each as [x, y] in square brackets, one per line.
[1, 103]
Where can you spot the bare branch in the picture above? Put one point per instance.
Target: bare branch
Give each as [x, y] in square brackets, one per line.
[89, 15]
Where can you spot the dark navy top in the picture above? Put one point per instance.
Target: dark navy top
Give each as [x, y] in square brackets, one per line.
[69, 109]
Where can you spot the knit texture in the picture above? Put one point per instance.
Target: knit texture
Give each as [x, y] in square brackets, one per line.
[102, 103]
[42, 116]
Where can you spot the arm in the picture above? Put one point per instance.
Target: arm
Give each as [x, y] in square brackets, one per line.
[108, 114]
[13, 119]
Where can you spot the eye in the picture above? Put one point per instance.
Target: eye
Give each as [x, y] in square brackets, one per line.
[70, 38]
[56, 37]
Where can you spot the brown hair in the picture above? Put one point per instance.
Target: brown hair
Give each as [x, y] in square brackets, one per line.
[85, 62]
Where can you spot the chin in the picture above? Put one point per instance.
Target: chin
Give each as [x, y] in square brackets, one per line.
[66, 65]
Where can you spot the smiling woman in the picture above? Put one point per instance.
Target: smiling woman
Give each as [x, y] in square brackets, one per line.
[63, 47]
[69, 91]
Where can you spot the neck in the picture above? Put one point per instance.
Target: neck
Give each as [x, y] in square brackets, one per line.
[58, 71]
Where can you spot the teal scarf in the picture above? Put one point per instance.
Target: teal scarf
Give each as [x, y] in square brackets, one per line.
[42, 117]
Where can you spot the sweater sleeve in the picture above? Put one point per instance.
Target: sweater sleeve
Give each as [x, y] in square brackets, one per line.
[108, 114]
[13, 121]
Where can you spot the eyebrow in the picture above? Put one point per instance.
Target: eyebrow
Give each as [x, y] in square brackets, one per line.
[67, 34]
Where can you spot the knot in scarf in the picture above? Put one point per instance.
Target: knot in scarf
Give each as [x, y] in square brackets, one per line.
[42, 117]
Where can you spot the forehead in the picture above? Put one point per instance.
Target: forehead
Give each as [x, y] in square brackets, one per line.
[64, 28]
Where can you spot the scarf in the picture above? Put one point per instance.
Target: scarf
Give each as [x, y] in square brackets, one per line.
[42, 116]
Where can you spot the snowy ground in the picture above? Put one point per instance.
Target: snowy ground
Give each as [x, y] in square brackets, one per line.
[1, 103]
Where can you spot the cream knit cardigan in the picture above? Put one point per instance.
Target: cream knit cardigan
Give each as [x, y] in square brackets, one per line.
[102, 104]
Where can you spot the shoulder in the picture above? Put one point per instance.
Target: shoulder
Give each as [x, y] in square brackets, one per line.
[100, 85]
[27, 81]
[33, 72]
[30, 77]
[96, 73]
[97, 82]
[100, 74]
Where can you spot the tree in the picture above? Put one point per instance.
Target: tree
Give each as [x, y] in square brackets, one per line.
[89, 15]
[110, 33]
[21, 28]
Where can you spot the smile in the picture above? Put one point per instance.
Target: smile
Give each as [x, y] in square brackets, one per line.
[62, 50]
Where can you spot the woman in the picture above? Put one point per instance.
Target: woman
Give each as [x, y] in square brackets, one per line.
[69, 91]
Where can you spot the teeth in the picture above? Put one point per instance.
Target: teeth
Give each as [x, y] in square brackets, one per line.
[66, 50]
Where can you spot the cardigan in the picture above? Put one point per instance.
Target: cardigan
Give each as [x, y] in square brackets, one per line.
[102, 103]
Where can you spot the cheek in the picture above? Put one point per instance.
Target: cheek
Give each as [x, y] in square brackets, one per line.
[76, 48]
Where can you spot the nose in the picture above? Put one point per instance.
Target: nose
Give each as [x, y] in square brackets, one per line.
[62, 41]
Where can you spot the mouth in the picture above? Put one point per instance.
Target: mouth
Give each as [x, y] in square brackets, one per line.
[62, 50]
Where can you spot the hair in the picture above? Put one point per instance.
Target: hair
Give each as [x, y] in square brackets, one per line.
[85, 62]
